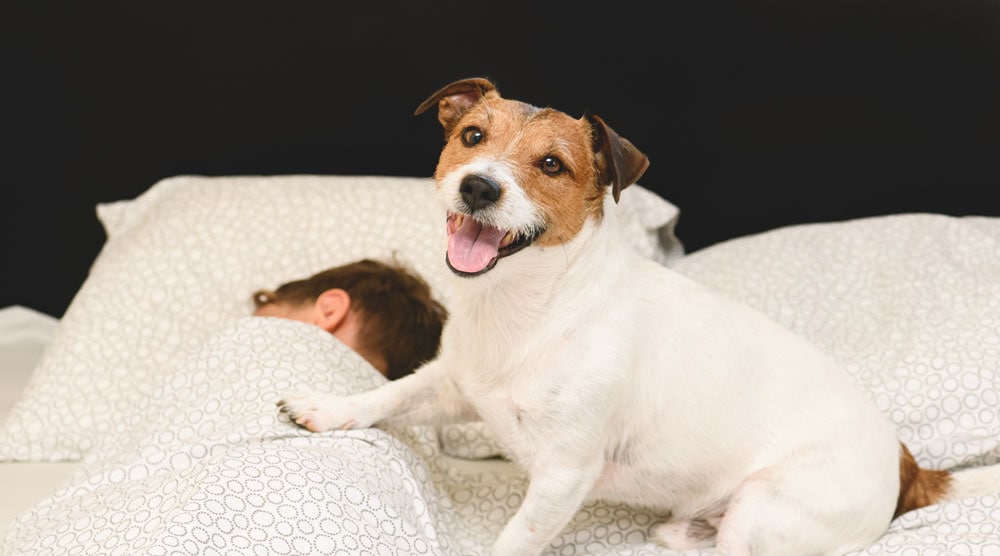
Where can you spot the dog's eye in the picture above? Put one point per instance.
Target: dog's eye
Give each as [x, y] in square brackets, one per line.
[472, 136]
[552, 165]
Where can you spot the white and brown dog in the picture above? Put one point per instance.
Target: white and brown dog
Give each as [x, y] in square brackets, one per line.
[607, 376]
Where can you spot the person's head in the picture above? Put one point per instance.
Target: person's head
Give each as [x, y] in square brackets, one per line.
[383, 311]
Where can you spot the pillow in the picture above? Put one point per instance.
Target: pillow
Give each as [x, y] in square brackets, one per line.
[182, 259]
[909, 304]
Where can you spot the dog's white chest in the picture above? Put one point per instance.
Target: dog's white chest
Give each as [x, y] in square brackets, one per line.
[520, 401]
[512, 420]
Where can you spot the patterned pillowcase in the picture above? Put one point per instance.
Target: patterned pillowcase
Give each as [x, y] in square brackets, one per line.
[181, 261]
[909, 304]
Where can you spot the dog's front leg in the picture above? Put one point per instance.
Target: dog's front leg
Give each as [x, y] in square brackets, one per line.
[554, 495]
[427, 396]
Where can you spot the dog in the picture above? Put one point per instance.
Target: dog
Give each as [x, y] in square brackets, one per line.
[608, 376]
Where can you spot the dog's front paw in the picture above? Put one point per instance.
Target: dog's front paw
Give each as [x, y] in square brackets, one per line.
[322, 412]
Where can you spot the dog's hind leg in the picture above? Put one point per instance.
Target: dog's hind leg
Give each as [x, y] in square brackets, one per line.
[805, 507]
[689, 534]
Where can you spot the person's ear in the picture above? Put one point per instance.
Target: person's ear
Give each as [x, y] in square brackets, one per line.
[332, 307]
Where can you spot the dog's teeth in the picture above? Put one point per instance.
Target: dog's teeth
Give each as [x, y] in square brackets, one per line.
[508, 238]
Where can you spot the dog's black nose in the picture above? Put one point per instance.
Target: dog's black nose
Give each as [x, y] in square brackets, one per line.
[478, 192]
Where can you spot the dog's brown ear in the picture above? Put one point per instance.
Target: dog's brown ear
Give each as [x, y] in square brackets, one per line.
[455, 98]
[620, 163]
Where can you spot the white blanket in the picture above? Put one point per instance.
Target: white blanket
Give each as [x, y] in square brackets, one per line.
[910, 304]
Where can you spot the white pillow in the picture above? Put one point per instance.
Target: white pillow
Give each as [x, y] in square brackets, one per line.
[909, 304]
[182, 260]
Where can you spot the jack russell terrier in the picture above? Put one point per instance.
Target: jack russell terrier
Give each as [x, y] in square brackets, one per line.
[608, 376]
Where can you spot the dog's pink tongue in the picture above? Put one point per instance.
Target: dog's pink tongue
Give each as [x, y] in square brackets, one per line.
[473, 246]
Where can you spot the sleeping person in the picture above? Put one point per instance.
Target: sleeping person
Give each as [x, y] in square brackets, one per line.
[383, 311]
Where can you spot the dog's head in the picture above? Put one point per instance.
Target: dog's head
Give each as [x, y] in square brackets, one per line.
[513, 175]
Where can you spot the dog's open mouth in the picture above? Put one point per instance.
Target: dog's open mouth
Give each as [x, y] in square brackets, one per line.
[474, 247]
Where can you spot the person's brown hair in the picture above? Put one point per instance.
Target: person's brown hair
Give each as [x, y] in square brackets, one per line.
[401, 319]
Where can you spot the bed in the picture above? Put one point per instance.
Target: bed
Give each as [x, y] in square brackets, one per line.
[148, 425]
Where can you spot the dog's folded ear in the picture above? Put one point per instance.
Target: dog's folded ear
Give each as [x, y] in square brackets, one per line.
[455, 98]
[621, 164]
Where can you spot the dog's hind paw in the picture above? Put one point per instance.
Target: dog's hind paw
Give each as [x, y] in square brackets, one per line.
[685, 535]
[319, 412]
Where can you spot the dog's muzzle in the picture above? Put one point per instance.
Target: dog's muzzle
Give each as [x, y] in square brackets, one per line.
[474, 247]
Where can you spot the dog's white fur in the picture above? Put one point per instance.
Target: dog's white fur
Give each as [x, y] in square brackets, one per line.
[608, 376]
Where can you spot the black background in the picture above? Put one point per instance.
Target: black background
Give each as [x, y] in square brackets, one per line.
[754, 114]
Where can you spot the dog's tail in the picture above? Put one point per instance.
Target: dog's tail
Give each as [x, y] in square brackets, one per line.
[975, 481]
[923, 487]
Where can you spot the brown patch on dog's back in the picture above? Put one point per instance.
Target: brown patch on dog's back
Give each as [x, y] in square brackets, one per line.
[918, 487]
